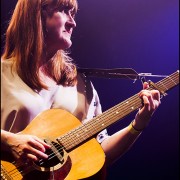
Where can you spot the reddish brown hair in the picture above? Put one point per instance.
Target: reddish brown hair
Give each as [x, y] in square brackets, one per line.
[25, 43]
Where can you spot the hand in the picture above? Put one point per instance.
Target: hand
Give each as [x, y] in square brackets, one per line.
[151, 101]
[26, 147]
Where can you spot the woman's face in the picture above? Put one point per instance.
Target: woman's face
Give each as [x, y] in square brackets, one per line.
[59, 27]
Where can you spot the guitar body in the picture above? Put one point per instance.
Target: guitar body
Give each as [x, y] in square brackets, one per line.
[81, 162]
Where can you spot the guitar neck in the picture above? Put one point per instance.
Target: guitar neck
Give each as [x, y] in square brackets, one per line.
[114, 114]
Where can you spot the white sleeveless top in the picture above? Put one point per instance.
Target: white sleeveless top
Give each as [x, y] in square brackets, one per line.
[20, 104]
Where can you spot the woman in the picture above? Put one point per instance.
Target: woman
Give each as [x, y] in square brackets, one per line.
[38, 74]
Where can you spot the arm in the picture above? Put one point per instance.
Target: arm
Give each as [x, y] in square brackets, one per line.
[117, 144]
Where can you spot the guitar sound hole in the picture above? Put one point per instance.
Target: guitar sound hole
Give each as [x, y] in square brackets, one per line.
[56, 156]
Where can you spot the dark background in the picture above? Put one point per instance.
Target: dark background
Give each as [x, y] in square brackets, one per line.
[138, 34]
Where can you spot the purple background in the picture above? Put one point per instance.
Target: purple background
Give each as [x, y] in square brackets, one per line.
[138, 34]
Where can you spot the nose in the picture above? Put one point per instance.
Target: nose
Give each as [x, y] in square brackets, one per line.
[71, 22]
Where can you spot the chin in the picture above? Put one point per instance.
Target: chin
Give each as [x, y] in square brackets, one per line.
[67, 44]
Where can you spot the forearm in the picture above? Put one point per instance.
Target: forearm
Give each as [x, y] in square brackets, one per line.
[117, 144]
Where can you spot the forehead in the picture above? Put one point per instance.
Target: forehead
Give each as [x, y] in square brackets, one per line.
[59, 3]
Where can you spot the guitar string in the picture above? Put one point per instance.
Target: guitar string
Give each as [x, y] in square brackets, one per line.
[63, 148]
[91, 124]
[173, 81]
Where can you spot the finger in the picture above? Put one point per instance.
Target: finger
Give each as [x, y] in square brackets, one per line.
[156, 95]
[26, 156]
[146, 103]
[154, 99]
[39, 144]
[42, 142]
[37, 153]
[147, 100]
[151, 102]
[32, 157]
[145, 85]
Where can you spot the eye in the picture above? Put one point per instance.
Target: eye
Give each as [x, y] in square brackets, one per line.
[67, 10]
[63, 9]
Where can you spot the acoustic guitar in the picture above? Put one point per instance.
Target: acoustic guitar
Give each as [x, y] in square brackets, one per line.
[74, 153]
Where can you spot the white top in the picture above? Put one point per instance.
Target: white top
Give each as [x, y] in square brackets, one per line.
[20, 104]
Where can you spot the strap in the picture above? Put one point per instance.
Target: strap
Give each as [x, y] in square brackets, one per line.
[126, 73]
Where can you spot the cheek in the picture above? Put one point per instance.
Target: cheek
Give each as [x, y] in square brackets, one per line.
[54, 24]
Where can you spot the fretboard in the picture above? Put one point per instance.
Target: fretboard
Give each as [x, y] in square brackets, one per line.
[112, 115]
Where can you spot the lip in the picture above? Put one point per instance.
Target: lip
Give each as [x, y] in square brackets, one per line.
[68, 32]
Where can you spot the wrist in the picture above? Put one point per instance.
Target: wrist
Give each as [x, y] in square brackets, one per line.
[133, 130]
[5, 135]
[141, 121]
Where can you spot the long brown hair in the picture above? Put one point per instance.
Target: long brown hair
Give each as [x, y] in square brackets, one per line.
[25, 43]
